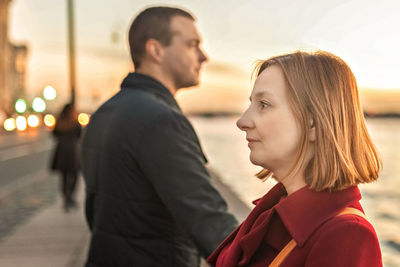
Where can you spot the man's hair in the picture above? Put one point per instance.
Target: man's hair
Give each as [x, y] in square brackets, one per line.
[152, 23]
[323, 92]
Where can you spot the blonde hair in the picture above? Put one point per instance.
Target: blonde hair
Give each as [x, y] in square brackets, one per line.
[323, 93]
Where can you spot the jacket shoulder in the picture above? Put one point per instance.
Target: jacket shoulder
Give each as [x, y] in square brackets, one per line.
[346, 240]
[138, 101]
[134, 107]
[348, 223]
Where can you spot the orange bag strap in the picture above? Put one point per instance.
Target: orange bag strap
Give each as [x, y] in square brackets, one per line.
[353, 211]
[292, 244]
[283, 253]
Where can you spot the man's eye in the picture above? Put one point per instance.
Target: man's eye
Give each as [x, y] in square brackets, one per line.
[194, 44]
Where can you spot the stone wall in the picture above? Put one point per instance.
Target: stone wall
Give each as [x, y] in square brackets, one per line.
[12, 64]
[4, 54]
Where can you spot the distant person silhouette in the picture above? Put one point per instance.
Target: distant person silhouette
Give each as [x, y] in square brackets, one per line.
[66, 156]
[149, 200]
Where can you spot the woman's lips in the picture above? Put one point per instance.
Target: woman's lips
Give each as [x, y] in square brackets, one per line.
[252, 142]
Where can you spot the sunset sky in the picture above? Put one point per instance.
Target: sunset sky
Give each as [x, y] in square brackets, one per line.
[236, 33]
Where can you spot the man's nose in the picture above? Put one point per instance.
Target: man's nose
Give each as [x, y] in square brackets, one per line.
[202, 56]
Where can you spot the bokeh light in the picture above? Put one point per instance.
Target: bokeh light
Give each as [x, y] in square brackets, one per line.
[20, 106]
[33, 121]
[83, 119]
[21, 123]
[9, 124]
[49, 93]
[38, 104]
[49, 120]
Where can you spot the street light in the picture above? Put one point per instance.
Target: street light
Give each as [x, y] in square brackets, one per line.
[49, 93]
[10, 124]
[49, 120]
[21, 123]
[33, 121]
[83, 119]
[20, 106]
[38, 104]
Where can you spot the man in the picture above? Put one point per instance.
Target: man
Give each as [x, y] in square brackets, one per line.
[149, 198]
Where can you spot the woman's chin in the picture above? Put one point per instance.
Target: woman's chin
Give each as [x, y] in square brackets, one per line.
[256, 161]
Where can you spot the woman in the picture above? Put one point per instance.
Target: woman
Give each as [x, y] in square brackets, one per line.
[66, 157]
[305, 127]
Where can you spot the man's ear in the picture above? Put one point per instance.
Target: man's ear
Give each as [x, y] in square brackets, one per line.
[311, 134]
[154, 50]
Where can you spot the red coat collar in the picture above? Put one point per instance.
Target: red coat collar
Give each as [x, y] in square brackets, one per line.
[305, 210]
[301, 213]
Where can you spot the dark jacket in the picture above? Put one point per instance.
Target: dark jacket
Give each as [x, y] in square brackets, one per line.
[66, 156]
[308, 217]
[149, 198]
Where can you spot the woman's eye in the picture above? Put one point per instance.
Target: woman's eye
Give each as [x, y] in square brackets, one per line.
[263, 105]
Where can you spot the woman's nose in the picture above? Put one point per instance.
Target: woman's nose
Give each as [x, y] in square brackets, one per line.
[244, 122]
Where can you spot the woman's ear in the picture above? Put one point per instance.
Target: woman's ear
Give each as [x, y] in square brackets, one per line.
[311, 134]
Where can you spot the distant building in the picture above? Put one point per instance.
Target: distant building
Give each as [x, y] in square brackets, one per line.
[12, 64]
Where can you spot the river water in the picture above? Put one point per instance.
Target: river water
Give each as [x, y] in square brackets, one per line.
[227, 151]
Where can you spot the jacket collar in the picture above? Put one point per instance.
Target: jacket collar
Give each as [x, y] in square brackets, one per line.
[301, 213]
[138, 81]
[246, 237]
[305, 210]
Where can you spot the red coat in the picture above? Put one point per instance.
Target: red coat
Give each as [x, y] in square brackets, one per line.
[309, 218]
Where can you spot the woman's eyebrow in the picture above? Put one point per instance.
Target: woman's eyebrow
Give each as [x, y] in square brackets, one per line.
[262, 94]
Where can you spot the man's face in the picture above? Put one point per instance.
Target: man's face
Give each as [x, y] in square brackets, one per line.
[184, 56]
